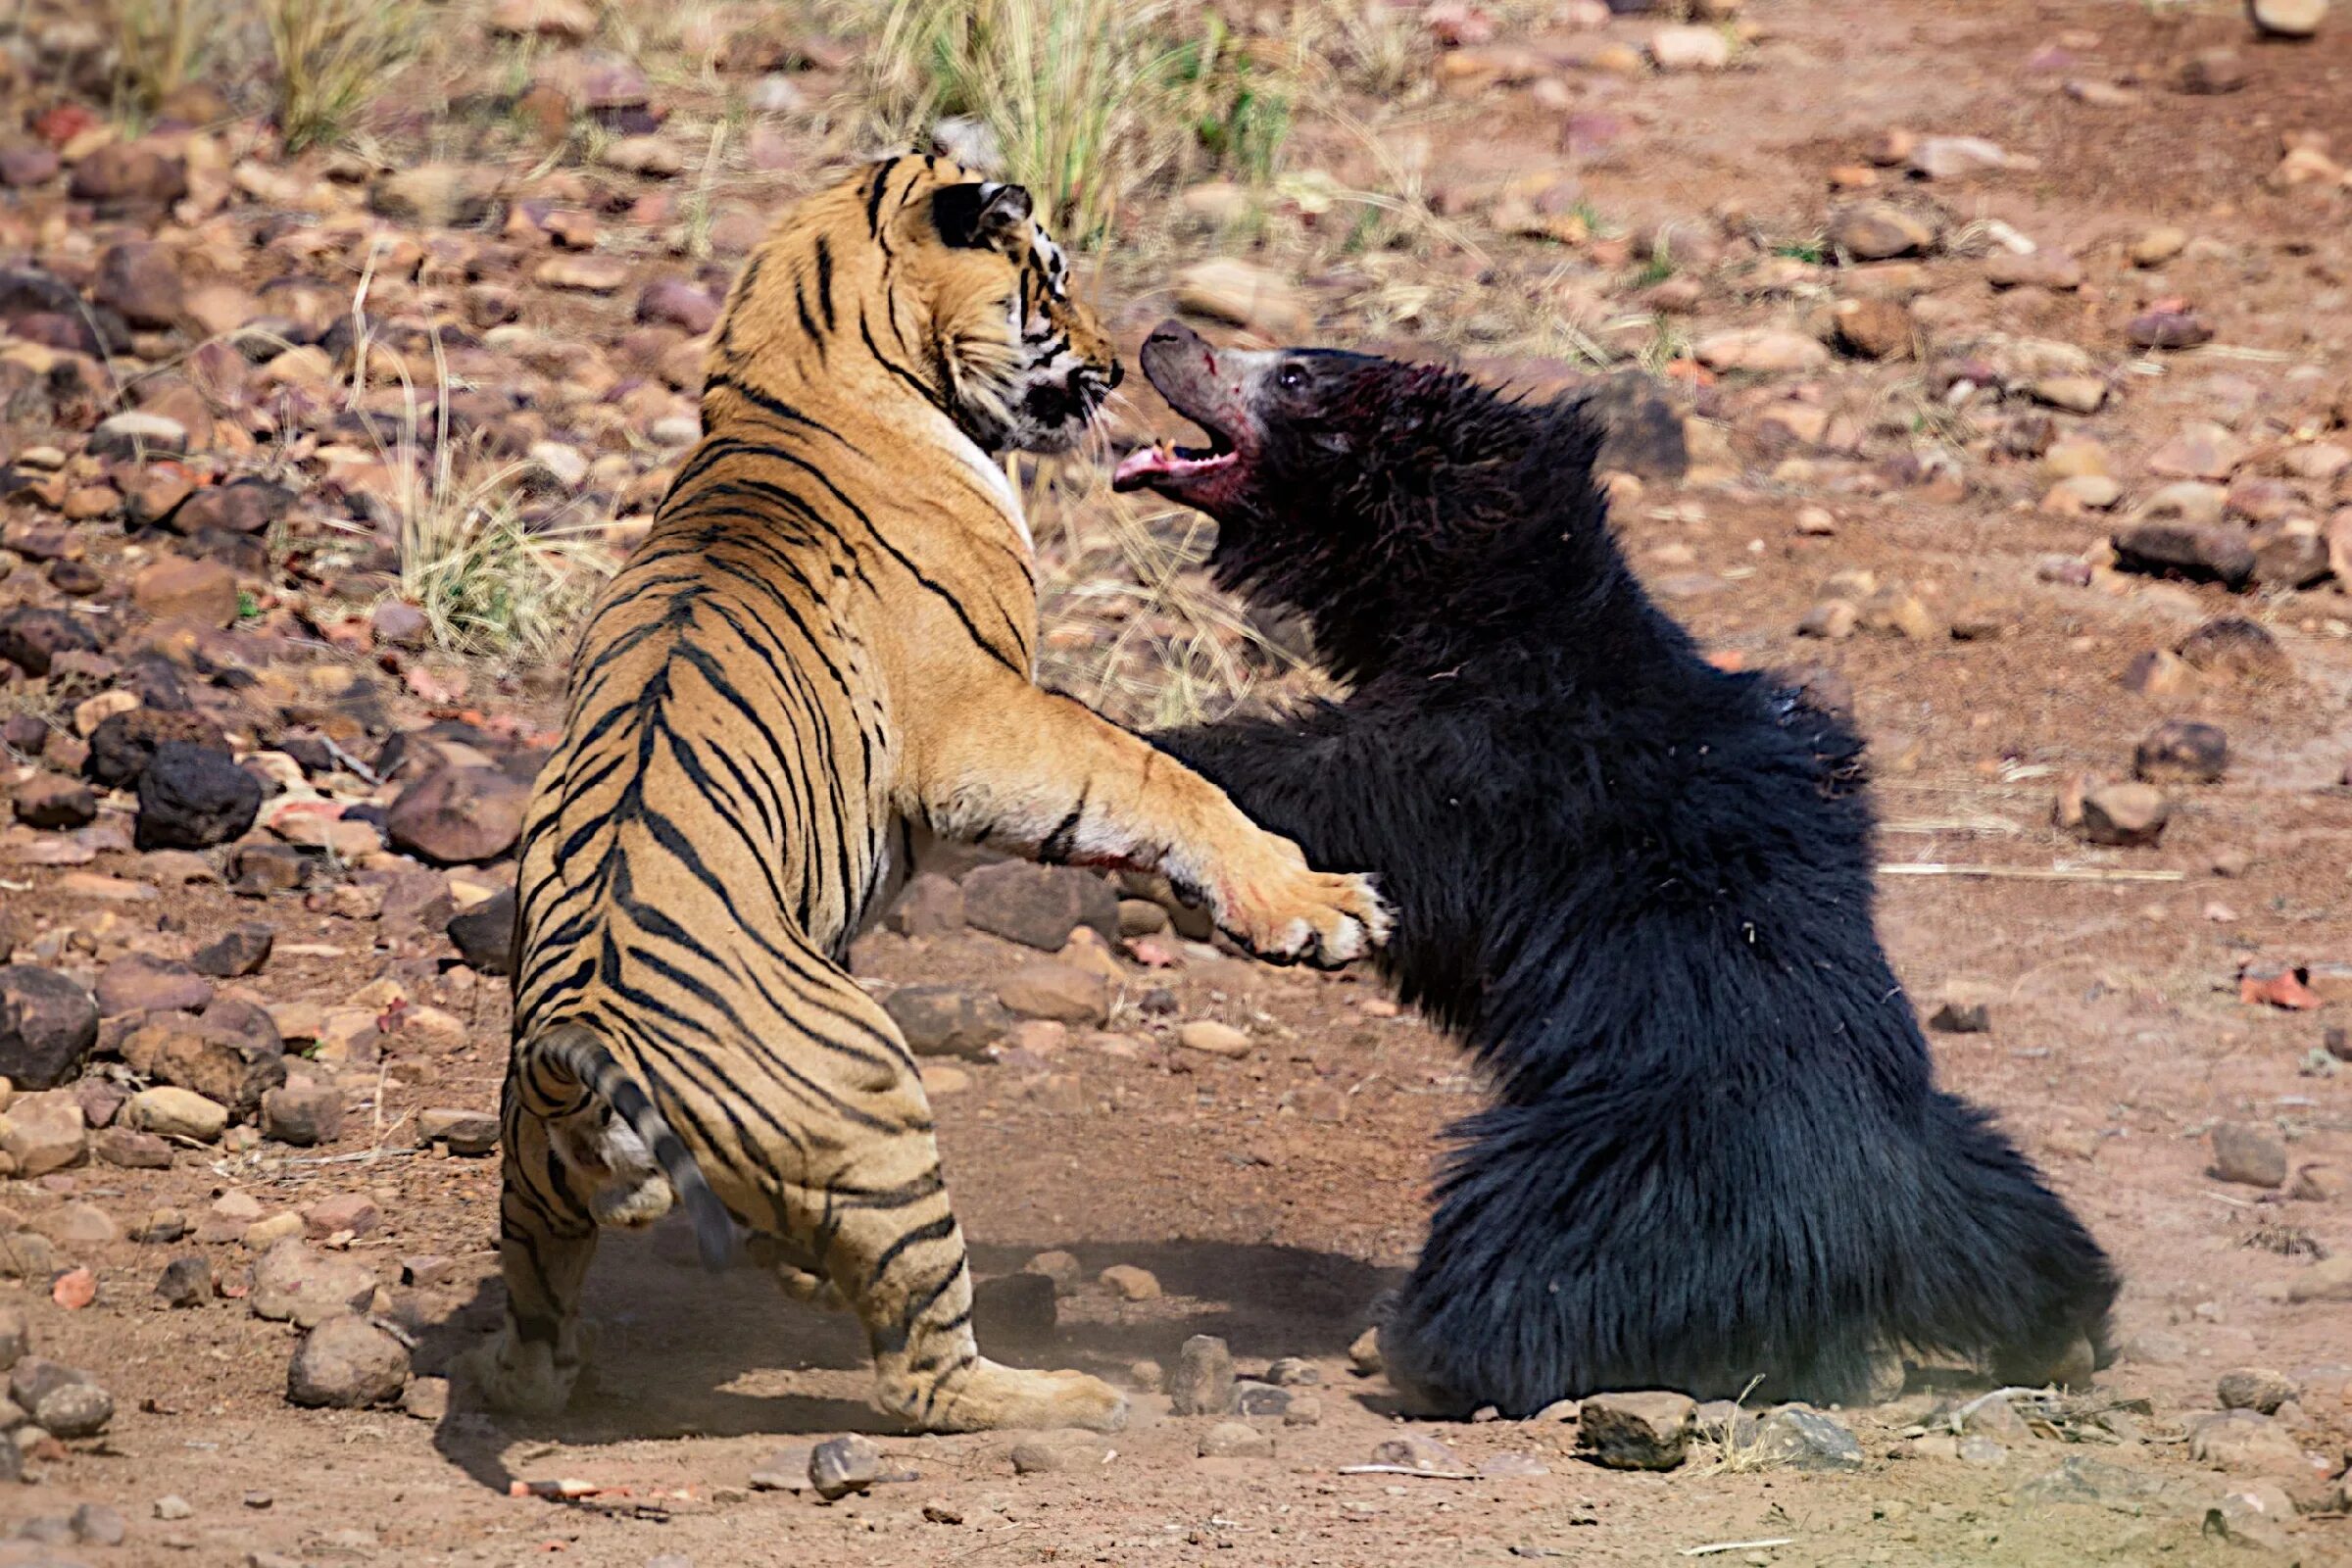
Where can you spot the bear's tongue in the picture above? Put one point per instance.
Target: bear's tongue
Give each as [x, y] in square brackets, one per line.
[1161, 465]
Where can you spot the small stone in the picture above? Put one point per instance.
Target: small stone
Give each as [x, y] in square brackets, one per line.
[1690, 48]
[2075, 394]
[43, 1132]
[839, 1466]
[1646, 1431]
[186, 1281]
[49, 802]
[1955, 156]
[1760, 351]
[352, 1213]
[2248, 1155]
[1130, 1284]
[2255, 1388]
[1417, 1450]
[2289, 19]
[121, 747]
[466, 1132]
[2051, 269]
[128, 1149]
[141, 983]
[347, 1363]
[2157, 246]
[1062, 992]
[425, 1399]
[2232, 644]
[2159, 673]
[294, 1284]
[239, 951]
[1365, 1356]
[784, 1470]
[2181, 751]
[2126, 816]
[2168, 329]
[1236, 1440]
[484, 935]
[1797, 1436]
[94, 1524]
[1039, 906]
[1876, 232]
[16, 1336]
[2204, 553]
[172, 1508]
[1956, 1016]
[1202, 1381]
[2246, 1442]
[173, 1113]
[1214, 1039]
[1876, 328]
[304, 1114]
[75, 1411]
[201, 592]
[932, 905]
[946, 1020]
[2212, 71]
[583, 274]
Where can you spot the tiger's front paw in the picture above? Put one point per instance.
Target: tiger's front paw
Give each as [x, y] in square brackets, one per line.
[1299, 915]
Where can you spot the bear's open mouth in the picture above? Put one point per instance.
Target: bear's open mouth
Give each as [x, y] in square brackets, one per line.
[1165, 465]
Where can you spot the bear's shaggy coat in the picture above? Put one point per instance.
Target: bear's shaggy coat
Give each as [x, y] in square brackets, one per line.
[1638, 889]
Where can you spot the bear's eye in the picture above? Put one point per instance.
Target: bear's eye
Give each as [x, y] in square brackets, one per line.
[1289, 379]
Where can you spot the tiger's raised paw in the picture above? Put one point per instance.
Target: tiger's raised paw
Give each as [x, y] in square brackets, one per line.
[989, 1397]
[1322, 918]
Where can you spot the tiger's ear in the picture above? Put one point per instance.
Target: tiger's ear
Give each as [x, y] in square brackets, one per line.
[980, 213]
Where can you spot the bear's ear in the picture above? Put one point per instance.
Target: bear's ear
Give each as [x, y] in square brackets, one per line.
[980, 213]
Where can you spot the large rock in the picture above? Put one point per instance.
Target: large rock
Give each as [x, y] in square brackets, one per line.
[1202, 1381]
[227, 1059]
[484, 935]
[347, 1363]
[294, 1284]
[144, 983]
[193, 796]
[1062, 992]
[141, 279]
[123, 744]
[946, 1020]
[459, 816]
[173, 1113]
[201, 592]
[30, 638]
[44, 1132]
[47, 1026]
[1644, 1431]
[1039, 906]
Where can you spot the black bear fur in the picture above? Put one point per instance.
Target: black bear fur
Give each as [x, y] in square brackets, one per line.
[1639, 890]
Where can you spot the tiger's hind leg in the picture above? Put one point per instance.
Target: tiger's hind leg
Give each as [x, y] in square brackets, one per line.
[547, 1238]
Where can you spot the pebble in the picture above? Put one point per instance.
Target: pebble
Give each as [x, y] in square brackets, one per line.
[1212, 1038]
[2253, 1156]
[1874, 231]
[1760, 351]
[2181, 751]
[173, 1113]
[784, 1470]
[1202, 1383]
[2255, 1388]
[465, 1132]
[1417, 1450]
[1690, 48]
[1644, 1431]
[2232, 644]
[839, 1466]
[347, 1363]
[1236, 1440]
[2210, 71]
[291, 1283]
[1799, 1436]
[1064, 992]
[1130, 1282]
[47, 1027]
[459, 816]
[186, 1281]
[75, 1411]
[2289, 19]
[2124, 816]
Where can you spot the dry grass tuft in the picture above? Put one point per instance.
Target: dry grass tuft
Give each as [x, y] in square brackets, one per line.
[331, 55]
[158, 45]
[1086, 102]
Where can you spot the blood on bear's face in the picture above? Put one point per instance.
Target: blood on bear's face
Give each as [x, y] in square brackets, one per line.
[1282, 424]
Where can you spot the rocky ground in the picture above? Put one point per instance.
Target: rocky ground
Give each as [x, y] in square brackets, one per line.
[1984, 365]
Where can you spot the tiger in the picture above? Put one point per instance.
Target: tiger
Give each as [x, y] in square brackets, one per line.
[819, 658]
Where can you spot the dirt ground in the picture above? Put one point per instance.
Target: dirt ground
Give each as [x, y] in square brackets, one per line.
[1275, 1196]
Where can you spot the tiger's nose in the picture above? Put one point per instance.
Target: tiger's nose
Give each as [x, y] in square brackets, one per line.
[1118, 373]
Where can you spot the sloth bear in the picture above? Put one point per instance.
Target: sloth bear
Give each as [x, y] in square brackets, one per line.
[1638, 889]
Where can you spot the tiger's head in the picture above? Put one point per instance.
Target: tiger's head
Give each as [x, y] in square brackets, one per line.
[946, 284]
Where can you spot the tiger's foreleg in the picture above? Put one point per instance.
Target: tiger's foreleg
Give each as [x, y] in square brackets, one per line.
[1030, 768]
